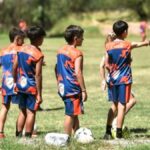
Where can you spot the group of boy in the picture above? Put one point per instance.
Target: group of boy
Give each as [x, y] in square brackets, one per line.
[22, 78]
[71, 87]
[25, 72]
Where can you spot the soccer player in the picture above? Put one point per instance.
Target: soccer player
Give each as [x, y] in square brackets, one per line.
[29, 80]
[7, 57]
[111, 37]
[69, 73]
[118, 62]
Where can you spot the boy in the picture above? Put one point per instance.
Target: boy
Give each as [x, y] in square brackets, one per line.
[69, 73]
[7, 56]
[111, 37]
[118, 62]
[29, 80]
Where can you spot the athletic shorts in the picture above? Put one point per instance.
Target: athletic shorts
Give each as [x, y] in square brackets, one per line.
[73, 105]
[119, 93]
[6, 99]
[27, 101]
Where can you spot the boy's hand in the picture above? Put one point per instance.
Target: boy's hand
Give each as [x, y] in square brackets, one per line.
[39, 99]
[84, 96]
[103, 85]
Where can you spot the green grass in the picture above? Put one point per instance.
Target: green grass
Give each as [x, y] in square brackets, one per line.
[96, 107]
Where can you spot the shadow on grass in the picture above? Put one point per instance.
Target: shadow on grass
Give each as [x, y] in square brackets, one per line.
[142, 136]
[52, 109]
[139, 130]
[45, 132]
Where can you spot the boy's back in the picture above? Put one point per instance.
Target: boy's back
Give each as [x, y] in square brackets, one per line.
[119, 53]
[6, 60]
[68, 83]
[27, 58]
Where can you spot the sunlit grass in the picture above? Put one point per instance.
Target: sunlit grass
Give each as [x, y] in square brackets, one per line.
[97, 105]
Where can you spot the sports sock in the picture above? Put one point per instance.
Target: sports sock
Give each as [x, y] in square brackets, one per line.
[28, 134]
[18, 133]
[119, 133]
[108, 129]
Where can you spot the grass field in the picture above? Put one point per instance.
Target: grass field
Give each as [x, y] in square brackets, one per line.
[51, 119]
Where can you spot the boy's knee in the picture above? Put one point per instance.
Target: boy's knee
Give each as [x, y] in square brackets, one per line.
[31, 112]
[5, 107]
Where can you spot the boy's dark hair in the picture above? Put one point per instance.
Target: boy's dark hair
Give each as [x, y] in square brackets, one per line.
[119, 27]
[35, 32]
[72, 31]
[14, 32]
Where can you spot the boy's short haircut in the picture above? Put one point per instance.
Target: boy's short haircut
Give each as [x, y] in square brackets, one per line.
[72, 31]
[119, 27]
[35, 32]
[15, 32]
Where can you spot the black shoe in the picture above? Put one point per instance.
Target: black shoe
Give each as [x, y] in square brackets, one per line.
[107, 136]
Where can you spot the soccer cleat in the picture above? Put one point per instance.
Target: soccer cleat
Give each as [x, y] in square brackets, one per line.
[107, 136]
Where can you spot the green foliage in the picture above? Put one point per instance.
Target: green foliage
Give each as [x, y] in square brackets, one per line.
[49, 13]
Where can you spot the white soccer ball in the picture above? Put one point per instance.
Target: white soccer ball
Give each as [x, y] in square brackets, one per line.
[84, 135]
[56, 139]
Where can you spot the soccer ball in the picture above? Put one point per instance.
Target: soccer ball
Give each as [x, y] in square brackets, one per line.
[56, 139]
[84, 135]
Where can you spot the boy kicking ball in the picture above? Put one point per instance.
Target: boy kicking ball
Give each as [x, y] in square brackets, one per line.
[118, 62]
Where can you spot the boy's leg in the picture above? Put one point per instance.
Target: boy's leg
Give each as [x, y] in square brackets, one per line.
[124, 96]
[76, 124]
[3, 116]
[3, 113]
[73, 107]
[22, 114]
[31, 107]
[21, 122]
[30, 120]
[112, 95]
[68, 124]
[111, 114]
[131, 103]
[120, 119]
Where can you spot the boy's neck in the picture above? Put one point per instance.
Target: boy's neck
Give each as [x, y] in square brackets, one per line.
[34, 44]
[120, 38]
[72, 45]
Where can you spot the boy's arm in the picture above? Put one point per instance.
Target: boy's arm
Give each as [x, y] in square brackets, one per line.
[38, 78]
[102, 68]
[102, 73]
[56, 71]
[79, 74]
[107, 65]
[15, 66]
[139, 44]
